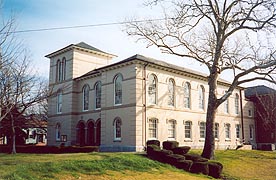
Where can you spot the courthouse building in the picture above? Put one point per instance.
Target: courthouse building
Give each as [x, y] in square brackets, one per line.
[119, 106]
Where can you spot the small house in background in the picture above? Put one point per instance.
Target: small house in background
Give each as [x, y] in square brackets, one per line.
[264, 99]
[36, 130]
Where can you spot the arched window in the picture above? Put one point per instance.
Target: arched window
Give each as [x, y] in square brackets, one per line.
[171, 92]
[188, 129]
[201, 97]
[118, 89]
[171, 129]
[227, 131]
[59, 101]
[63, 68]
[187, 95]
[117, 129]
[153, 128]
[202, 130]
[226, 105]
[152, 89]
[85, 97]
[98, 94]
[58, 71]
[58, 127]
[237, 98]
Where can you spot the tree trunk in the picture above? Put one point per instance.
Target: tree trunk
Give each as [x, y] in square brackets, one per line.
[209, 146]
[13, 136]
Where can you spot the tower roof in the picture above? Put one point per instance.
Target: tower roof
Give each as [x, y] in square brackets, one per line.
[81, 46]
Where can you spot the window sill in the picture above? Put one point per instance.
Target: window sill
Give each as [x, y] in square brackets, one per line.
[227, 140]
[117, 140]
[188, 140]
[201, 140]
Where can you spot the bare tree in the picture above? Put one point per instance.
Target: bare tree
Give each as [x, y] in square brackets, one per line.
[20, 87]
[224, 35]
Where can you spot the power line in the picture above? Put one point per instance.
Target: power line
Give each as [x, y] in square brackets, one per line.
[81, 26]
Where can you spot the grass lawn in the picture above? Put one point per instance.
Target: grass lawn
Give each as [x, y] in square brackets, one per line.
[247, 165]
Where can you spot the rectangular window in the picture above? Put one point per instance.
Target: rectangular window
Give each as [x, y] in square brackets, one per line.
[227, 131]
[217, 130]
[202, 129]
[251, 132]
[188, 130]
[171, 129]
[153, 128]
[250, 113]
[238, 129]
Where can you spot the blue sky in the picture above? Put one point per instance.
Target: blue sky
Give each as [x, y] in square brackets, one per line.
[39, 14]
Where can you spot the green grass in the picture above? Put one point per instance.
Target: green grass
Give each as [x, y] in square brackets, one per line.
[238, 165]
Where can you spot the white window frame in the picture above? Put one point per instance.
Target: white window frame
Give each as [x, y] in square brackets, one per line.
[188, 130]
[117, 124]
[187, 95]
[227, 131]
[201, 97]
[152, 89]
[59, 102]
[226, 105]
[172, 129]
[153, 128]
[216, 131]
[85, 97]
[118, 89]
[98, 95]
[237, 106]
[238, 131]
[58, 134]
[171, 92]
[202, 130]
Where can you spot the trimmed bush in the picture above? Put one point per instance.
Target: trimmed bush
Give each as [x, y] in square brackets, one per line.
[200, 167]
[151, 149]
[153, 142]
[169, 145]
[184, 164]
[172, 159]
[181, 150]
[215, 169]
[161, 155]
[195, 158]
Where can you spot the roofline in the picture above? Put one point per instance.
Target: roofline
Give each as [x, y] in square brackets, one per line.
[147, 60]
[73, 46]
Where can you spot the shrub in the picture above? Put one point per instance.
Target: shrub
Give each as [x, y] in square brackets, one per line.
[169, 145]
[181, 150]
[195, 158]
[200, 167]
[172, 159]
[215, 169]
[153, 142]
[184, 164]
[151, 148]
[161, 155]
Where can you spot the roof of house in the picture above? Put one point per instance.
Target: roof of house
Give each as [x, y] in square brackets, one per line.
[81, 46]
[151, 61]
[258, 90]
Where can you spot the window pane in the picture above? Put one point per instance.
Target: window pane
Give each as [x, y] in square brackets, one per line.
[237, 104]
[118, 90]
[202, 130]
[201, 97]
[171, 92]
[59, 102]
[188, 129]
[85, 97]
[238, 131]
[152, 90]
[153, 128]
[217, 130]
[227, 131]
[98, 90]
[171, 129]
[187, 95]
